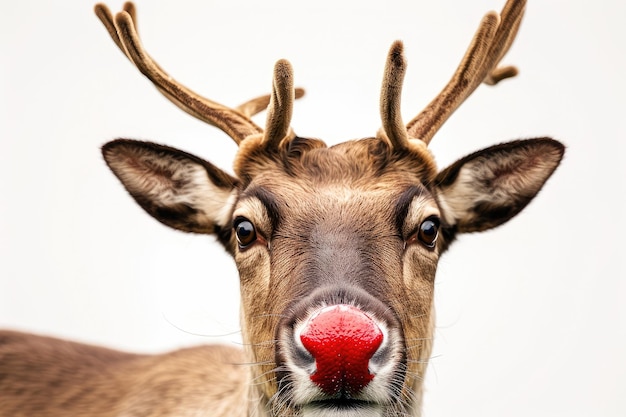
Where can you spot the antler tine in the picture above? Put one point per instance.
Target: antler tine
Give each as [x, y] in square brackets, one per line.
[123, 32]
[129, 7]
[511, 16]
[390, 96]
[258, 104]
[492, 40]
[106, 17]
[279, 111]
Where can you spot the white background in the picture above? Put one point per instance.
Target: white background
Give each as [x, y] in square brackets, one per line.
[531, 316]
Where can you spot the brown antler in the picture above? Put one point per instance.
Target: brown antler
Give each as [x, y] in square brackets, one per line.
[490, 43]
[393, 126]
[235, 122]
[258, 104]
[281, 105]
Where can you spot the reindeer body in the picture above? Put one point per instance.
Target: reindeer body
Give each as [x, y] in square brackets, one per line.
[72, 379]
[336, 247]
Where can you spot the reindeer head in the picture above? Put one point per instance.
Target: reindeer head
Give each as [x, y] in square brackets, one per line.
[337, 247]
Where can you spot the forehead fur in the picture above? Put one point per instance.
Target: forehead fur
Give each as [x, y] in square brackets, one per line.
[363, 162]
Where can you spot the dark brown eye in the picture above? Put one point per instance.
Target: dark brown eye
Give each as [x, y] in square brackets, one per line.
[428, 231]
[245, 232]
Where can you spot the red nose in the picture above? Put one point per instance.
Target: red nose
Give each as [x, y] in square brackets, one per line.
[342, 339]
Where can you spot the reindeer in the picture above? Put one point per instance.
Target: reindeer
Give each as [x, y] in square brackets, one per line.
[336, 248]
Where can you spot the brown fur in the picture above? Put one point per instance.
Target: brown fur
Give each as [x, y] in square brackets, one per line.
[307, 187]
[71, 379]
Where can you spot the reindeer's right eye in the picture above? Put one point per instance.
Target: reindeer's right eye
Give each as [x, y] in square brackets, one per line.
[245, 232]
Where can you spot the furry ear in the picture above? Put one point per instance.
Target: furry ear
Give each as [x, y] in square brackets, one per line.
[489, 187]
[176, 188]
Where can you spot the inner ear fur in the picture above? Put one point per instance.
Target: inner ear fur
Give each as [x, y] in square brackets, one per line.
[178, 189]
[489, 187]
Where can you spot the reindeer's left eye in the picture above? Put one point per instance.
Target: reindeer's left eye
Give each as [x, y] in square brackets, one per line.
[429, 231]
[245, 232]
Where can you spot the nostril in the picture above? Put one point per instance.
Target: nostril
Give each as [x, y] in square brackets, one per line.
[342, 339]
